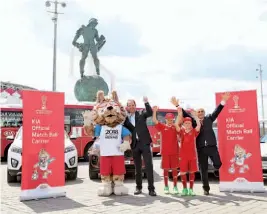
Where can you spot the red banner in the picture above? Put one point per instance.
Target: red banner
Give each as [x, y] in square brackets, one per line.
[239, 143]
[43, 169]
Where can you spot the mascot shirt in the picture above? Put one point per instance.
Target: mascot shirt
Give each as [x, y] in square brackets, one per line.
[110, 139]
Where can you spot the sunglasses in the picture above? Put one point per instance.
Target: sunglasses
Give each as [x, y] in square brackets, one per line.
[201, 111]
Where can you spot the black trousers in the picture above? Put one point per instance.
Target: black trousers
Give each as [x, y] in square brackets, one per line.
[145, 151]
[203, 155]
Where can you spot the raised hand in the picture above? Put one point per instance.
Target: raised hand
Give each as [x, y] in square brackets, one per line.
[193, 113]
[155, 108]
[145, 99]
[174, 101]
[226, 96]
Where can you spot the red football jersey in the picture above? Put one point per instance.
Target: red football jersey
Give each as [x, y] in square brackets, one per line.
[169, 140]
[188, 144]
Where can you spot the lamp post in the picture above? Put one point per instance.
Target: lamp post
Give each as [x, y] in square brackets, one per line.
[54, 19]
[262, 103]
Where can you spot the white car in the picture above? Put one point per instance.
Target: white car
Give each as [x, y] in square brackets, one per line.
[264, 154]
[14, 158]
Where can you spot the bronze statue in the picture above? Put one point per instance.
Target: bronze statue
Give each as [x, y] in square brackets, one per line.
[89, 34]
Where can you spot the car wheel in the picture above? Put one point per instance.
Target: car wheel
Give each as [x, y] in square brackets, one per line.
[86, 149]
[73, 174]
[10, 178]
[92, 174]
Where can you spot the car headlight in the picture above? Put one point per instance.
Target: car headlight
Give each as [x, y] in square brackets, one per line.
[16, 150]
[69, 149]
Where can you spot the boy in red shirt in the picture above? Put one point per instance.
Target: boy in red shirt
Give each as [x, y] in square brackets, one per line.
[188, 153]
[169, 148]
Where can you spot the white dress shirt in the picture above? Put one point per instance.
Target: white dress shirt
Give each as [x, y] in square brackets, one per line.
[132, 120]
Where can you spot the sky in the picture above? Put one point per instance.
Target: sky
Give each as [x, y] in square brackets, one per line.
[190, 49]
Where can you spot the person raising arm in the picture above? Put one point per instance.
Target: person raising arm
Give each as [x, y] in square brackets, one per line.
[188, 154]
[169, 148]
[175, 102]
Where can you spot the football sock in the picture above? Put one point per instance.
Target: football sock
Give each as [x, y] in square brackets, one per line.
[166, 177]
[191, 179]
[184, 180]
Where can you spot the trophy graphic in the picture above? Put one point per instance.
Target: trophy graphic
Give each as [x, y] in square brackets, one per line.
[236, 98]
[44, 99]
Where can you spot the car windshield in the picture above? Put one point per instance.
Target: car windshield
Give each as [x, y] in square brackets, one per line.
[264, 139]
[19, 134]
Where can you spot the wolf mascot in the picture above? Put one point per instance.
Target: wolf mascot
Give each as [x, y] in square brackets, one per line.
[113, 139]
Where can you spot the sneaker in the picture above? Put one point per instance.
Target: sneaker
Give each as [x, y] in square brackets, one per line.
[175, 191]
[191, 192]
[184, 192]
[166, 190]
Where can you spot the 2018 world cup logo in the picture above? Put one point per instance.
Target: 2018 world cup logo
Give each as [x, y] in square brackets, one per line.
[236, 98]
[44, 99]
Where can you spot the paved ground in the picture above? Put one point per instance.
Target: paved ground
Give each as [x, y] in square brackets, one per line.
[82, 198]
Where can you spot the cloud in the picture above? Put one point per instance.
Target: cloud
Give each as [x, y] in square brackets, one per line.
[189, 49]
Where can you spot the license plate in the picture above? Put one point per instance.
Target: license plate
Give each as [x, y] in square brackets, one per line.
[127, 162]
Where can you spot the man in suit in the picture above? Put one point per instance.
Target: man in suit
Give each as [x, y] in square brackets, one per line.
[206, 141]
[141, 140]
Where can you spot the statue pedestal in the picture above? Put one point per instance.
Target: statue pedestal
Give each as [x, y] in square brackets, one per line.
[86, 88]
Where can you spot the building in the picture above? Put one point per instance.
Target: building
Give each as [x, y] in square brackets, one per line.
[11, 93]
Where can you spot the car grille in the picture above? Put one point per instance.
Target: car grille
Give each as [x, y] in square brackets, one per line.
[264, 158]
[128, 154]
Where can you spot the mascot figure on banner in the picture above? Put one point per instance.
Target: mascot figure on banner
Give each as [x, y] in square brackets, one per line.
[112, 139]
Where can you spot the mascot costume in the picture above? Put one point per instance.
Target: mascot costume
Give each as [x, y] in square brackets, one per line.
[105, 121]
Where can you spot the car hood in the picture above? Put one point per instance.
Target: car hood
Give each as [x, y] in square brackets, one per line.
[18, 143]
[263, 149]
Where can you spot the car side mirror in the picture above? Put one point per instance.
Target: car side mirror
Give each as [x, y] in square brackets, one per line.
[10, 137]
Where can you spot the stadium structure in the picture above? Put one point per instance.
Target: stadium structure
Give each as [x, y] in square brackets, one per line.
[11, 93]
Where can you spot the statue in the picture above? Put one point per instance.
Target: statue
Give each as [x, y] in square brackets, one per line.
[86, 88]
[89, 34]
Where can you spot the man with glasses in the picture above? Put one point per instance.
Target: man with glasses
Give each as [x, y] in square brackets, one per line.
[206, 142]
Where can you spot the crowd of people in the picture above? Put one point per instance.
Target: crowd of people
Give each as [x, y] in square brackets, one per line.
[197, 144]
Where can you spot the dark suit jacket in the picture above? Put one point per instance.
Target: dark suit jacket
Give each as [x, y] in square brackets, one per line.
[206, 132]
[140, 126]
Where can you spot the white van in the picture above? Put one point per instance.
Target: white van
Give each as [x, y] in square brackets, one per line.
[14, 158]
